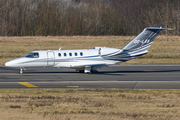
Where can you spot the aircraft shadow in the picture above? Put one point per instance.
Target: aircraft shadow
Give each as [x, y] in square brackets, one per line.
[152, 71]
[101, 72]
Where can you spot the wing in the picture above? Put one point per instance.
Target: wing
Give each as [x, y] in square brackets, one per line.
[81, 65]
[93, 66]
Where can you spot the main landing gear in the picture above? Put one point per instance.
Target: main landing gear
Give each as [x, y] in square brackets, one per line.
[82, 71]
[88, 70]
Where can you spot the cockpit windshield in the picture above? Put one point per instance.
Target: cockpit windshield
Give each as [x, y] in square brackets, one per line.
[32, 55]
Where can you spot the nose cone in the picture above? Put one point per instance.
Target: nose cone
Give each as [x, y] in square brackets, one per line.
[12, 63]
[7, 64]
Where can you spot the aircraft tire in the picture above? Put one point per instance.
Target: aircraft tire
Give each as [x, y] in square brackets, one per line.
[81, 71]
[21, 71]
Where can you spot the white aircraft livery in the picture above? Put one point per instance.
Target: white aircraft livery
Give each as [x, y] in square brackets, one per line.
[89, 60]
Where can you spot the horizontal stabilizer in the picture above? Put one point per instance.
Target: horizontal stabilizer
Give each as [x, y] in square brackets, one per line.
[158, 28]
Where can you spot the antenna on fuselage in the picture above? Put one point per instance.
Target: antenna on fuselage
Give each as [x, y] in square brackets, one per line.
[60, 48]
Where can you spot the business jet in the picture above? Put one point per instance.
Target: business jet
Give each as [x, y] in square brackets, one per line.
[89, 60]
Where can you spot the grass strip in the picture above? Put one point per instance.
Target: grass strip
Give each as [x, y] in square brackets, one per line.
[89, 104]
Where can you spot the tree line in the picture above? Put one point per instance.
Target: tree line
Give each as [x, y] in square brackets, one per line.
[86, 17]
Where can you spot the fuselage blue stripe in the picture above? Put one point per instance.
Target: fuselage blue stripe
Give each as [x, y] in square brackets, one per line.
[89, 56]
[110, 53]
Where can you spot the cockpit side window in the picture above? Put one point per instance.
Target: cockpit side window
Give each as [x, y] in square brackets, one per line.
[32, 55]
[35, 55]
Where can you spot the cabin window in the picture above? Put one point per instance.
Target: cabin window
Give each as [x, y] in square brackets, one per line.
[75, 54]
[32, 55]
[65, 54]
[59, 54]
[70, 54]
[81, 53]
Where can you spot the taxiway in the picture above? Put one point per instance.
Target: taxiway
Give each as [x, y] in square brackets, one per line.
[116, 76]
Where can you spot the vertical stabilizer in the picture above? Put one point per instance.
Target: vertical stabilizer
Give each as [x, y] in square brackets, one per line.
[138, 46]
[144, 39]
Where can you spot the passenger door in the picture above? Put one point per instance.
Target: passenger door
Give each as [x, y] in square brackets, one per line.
[50, 58]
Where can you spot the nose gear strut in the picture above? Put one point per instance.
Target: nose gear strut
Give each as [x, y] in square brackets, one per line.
[22, 70]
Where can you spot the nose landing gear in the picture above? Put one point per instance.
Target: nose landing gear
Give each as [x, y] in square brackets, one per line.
[22, 70]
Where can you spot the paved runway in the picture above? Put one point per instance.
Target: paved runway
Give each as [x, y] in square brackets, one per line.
[116, 76]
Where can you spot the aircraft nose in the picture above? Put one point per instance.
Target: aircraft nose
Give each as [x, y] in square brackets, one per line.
[8, 64]
[11, 63]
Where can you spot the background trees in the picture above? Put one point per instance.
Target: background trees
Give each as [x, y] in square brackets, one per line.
[86, 17]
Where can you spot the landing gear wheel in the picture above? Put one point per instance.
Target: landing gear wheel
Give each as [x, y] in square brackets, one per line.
[21, 71]
[81, 71]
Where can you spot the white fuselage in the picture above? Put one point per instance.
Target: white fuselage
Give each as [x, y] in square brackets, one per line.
[66, 58]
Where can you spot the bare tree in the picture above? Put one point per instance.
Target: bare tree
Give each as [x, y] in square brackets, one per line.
[86, 17]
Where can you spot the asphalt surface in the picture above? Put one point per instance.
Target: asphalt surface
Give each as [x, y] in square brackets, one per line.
[116, 76]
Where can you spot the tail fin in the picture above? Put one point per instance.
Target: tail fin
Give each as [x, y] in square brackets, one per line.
[144, 40]
[138, 46]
